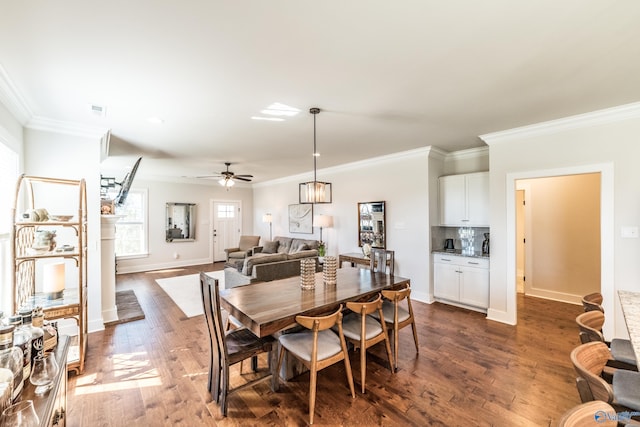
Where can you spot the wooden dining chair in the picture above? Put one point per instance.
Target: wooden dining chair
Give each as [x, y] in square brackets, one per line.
[230, 348]
[380, 259]
[317, 348]
[398, 316]
[364, 331]
[593, 413]
[590, 326]
[592, 302]
[589, 361]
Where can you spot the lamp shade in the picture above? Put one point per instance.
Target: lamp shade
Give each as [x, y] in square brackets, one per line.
[324, 221]
[267, 218]
[226, 182]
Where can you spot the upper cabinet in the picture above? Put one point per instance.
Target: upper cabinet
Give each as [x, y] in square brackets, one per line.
[464, 200]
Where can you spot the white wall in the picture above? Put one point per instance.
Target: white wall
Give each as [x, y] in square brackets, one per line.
[65, 156]
[401, 180]
[605, 142]
[161, 253]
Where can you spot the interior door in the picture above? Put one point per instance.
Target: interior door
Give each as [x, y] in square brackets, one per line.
[227, 227]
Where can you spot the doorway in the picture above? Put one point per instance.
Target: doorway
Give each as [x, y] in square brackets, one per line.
[226, 226]
[558, 236]
[509, 315]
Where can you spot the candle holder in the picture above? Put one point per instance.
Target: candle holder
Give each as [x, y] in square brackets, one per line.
[307, 273]
[330, 270]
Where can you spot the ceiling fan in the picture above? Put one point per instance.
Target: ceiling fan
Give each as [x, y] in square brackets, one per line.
[227, 177]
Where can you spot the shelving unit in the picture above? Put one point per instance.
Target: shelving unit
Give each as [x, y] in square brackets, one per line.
[37, 192]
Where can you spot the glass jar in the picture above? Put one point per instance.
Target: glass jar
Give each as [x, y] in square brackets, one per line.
[11, 358]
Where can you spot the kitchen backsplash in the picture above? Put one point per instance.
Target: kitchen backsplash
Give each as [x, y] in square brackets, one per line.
[440, 234]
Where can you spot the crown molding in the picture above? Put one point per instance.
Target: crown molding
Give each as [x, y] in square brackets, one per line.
[422, 151]
[11, 98]
[467, 154]
[595, 118]
[68, 128]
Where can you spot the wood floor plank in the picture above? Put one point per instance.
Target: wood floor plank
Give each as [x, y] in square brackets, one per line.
[469, 371]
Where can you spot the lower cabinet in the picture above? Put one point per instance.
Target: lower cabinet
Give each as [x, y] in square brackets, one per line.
[461, 280]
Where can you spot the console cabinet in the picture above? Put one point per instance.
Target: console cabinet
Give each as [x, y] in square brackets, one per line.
[464, 200]
[461, 280]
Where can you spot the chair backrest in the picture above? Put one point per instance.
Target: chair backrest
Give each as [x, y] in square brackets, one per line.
[213, 316]
[396, 297]
[595, 413]
[379, 258]
[248, 242]
[364, 308]
[589, 361]
[592, 302]
[590, 325]
[320, 323]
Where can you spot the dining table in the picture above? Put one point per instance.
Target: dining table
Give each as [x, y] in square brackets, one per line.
[630, 303]
[269, 307]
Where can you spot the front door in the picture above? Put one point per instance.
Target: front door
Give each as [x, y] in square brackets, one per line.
[227, 223]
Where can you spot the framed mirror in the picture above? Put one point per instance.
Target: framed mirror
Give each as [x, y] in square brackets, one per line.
[181, 222]
[371, 226]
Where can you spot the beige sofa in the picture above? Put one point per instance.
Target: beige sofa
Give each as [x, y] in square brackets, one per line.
[273, 260]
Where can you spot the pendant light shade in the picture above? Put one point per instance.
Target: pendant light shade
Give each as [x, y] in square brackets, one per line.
[315, 191]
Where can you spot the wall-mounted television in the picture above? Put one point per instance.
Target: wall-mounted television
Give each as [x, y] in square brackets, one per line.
[125, 185]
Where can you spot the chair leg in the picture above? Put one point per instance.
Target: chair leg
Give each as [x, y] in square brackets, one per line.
[388, 347]
[312, 392]
[415, 335]
[224, 390]
[347, 368]
[395, 345]
[273, 366]
[363, 367]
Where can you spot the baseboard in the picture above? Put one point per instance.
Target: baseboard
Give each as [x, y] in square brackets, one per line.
[95, 325]
[422, 297]
[500, 316]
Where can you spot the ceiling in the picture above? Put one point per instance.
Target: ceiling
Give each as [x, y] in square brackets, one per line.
[389, 76]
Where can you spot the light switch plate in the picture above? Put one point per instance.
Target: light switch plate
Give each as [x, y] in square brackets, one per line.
[629, 232]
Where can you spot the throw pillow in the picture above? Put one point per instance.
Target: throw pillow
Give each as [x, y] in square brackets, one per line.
[301, 247]
[270, 247]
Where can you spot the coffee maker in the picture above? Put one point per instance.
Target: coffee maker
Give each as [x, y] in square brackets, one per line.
[448, 245]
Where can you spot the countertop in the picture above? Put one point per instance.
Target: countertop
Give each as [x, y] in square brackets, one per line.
[630, 302]
[458, 252]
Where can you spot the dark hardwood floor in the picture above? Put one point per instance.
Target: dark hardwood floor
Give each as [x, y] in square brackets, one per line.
[470, 372]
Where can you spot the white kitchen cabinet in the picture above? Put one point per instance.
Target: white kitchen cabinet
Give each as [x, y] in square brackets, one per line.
[464, 200]
[461, 280]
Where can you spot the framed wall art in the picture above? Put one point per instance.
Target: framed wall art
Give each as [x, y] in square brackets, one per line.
[301, 219]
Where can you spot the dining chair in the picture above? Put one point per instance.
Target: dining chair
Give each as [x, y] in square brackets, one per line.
[379, 259]
[592, 302]
[364, 331]
[230, 348]
[398, 316]
[593, 413]
[590, 325]
[317, 348]
[589, 361]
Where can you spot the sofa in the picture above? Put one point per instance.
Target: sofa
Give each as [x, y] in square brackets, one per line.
[275, 259]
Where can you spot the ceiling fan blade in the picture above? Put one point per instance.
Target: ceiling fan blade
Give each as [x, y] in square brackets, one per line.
[243, 176]
[207, 176]
[240, 178]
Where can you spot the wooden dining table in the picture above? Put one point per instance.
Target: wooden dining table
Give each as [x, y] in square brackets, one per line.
[268, 307]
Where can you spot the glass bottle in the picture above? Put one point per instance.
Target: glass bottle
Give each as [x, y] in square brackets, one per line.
[11, 358]
[37, 335]
[22, 340]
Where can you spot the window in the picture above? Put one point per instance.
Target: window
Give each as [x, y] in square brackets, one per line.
[131, 231]
[226, 211]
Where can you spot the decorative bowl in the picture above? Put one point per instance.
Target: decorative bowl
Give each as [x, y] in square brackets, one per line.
[62, 218]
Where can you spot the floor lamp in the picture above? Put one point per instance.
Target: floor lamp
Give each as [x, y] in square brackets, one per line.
[268, 218]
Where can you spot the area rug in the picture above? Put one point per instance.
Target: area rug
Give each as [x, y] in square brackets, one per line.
[185, 291]
[128, 308]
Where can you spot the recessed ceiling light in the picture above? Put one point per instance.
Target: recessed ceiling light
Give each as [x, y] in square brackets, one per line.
[271, 119]
[278, 109]
[155, 120]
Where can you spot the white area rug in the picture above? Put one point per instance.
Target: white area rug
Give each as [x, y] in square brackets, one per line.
[185, 291]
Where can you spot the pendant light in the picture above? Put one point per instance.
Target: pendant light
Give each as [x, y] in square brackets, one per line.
[314, 191]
